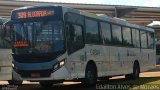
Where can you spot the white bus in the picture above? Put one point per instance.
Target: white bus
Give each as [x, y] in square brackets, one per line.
[55, 43]
[6, 67]
[158, 52]
[5, 55]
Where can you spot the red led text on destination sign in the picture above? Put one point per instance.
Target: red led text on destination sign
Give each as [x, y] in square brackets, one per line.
[32, 14]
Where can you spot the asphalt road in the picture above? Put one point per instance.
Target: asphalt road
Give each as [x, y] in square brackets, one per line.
[144, 78]
[64, 86]
[77, 86]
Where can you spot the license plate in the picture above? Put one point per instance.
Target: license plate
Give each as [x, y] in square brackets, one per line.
[35, 74]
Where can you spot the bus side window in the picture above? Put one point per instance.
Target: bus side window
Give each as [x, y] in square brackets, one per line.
[74, 38]
[127, 40]
[150, 40]
[1, 36]
[106, 33]
[1, 31]
[143, 36]
[116, 35]
[7, 30]
[136, 38]
[92, 31]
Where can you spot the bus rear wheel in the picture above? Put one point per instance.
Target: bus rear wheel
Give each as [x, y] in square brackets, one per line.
[135, 74]
[90, 75]
[136, 71]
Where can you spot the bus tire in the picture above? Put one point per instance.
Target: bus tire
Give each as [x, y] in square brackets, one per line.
[128, 76]
[136, 71]
[90, 74]
[103, 78]
[15, 82]
[46, 83]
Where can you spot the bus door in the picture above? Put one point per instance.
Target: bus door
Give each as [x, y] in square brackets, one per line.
[76, 53]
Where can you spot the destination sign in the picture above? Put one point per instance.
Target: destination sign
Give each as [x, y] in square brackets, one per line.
[21, 44]
[33, 14]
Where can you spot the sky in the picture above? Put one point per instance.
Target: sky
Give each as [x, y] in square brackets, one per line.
[146, 3]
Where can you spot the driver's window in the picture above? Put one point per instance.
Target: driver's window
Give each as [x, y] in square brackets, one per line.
[75, 38]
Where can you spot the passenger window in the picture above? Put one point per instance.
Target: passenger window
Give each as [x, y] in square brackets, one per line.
[150, 40]
[74, 18]
[106, 32]
[127, 36]
[143, 39]
[116, 35]
[135, 37]
[1, 36]
[75, 38]
[92, 32]
[5, 36]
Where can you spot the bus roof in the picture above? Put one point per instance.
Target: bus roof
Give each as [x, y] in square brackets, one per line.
[34, 7]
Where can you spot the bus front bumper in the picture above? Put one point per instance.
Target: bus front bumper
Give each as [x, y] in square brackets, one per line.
[60, 74]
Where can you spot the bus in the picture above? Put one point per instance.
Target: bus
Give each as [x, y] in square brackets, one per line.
[6, 53]
[157, 52]
[52, 44]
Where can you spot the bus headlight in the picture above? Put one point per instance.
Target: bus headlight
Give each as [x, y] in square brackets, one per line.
[61, 63]
[13, 65]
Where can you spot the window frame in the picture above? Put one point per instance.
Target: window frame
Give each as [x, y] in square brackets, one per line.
[146, 39]
[99, 31]
[131, 39]
[67, 35]
[104, 30]
[121, 42]
[149, 47]
[5, 43]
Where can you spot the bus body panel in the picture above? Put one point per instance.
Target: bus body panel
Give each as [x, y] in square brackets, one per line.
[76, 64]
[5, 51]
[5, 64]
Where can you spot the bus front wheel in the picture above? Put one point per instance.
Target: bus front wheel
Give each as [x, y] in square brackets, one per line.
[15, 82]
[46, 83]
[90, 75]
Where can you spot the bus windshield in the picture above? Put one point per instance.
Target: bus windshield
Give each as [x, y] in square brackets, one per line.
[38, 37]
